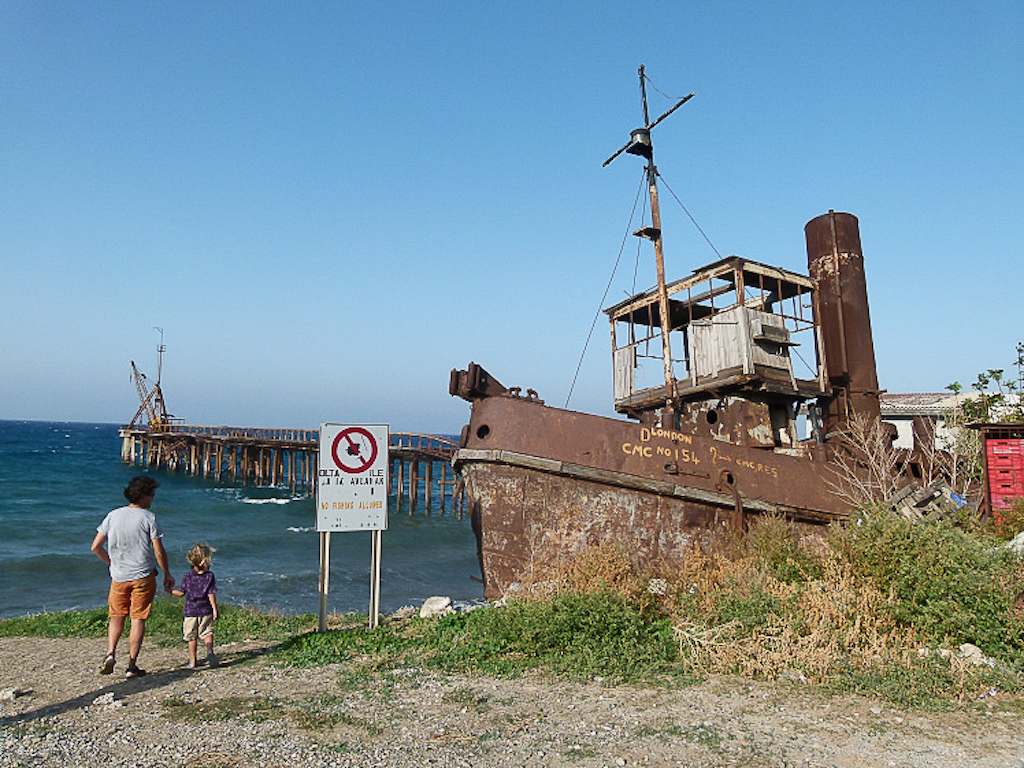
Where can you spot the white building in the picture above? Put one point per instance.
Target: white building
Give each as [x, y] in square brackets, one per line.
[927, 409]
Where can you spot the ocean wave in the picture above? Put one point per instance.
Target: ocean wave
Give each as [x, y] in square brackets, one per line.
[298, 576]
[266, 501]
[294, 529]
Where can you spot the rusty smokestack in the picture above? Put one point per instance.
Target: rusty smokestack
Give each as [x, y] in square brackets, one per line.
[835, 260]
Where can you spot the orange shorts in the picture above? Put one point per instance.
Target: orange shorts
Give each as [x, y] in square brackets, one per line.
[132, 598]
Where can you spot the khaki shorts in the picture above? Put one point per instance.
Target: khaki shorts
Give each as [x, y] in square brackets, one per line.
[195, 627]
[132, 598]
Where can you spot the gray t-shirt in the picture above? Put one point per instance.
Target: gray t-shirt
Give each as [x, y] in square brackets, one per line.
[130, 532]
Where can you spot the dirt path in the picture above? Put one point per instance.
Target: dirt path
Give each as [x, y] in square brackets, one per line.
[251, 713]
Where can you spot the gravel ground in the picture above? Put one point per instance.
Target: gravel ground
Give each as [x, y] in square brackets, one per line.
[55, 710]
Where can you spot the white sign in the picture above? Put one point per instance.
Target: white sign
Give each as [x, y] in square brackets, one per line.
[352, 478]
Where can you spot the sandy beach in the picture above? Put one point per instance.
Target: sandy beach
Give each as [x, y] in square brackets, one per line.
[55, 710]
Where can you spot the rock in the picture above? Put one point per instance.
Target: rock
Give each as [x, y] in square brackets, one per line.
[973, 654]
[1016, 544]
[105, 700]
[10, 694]
[436, 606]
[405, 612]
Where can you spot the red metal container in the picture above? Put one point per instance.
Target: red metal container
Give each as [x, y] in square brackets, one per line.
[1009, 475]
[1005, 461]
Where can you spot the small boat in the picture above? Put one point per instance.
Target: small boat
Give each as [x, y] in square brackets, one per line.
[713, 442]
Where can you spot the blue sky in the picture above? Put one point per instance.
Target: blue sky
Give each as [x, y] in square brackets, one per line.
[327, 206]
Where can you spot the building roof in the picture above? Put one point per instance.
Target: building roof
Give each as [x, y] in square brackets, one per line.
[921, 403]
[934, 403]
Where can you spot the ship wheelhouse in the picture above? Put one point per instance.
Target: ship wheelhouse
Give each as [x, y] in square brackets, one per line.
[735, 327]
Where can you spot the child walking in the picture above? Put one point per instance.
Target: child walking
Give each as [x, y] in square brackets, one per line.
[199, 588]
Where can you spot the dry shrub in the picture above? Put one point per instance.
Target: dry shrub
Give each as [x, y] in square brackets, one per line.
[813, 625]
[866, 467]
[603, 567]
[600, 567]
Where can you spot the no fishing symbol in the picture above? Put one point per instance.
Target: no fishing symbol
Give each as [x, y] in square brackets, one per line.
[354, 450]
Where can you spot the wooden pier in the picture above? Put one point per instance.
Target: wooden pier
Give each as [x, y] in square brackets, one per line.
[419, 465]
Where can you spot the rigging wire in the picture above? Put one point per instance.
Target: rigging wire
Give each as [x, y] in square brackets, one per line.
[796, 352]
[656, 88]
[639, 243]
[597, 314]
[687, 212]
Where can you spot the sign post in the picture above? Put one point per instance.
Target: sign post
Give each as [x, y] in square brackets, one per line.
[352, 495]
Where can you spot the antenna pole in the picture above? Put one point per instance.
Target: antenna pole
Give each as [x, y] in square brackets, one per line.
[159, 356]
[659, 259]
[663, 307]
[640, 144]
[643, 94]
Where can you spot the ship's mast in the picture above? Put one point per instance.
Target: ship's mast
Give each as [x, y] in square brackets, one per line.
[640, 144]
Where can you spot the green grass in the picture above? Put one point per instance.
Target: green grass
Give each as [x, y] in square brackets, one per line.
[386, 644]
[63, 624]
[577, 636]
[164, 624]
[574, 636]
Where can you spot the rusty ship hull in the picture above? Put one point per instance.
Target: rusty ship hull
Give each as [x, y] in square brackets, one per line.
[542, 481]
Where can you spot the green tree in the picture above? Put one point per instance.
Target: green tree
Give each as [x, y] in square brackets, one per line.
[997, 399]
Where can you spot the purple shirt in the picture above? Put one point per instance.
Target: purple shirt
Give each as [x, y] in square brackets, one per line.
[196, 587]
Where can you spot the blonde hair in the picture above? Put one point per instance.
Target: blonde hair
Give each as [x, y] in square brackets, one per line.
[200, 555]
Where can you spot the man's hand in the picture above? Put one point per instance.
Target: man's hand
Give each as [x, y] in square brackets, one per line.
[168, 582]
[99, 548]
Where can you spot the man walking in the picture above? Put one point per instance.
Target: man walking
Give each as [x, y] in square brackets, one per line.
[129, 541]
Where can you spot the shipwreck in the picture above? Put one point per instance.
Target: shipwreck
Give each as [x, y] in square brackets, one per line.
[709, 446]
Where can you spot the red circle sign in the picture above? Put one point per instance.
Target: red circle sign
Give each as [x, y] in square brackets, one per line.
[359, 452]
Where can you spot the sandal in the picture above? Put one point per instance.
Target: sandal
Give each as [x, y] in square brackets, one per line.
[134, 672]
[108, 664]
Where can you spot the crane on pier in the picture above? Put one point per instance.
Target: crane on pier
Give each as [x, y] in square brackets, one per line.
[151, 398]
[152, 403]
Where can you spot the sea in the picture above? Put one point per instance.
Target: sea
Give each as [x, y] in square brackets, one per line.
[59, 479]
